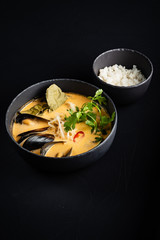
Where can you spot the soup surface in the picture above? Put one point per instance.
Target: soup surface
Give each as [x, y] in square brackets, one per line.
[66, 143]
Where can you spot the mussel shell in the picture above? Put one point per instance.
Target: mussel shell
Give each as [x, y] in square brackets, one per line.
[26, 134]
[37, 141]
[22, 116]
[68, 153]
[47, 146]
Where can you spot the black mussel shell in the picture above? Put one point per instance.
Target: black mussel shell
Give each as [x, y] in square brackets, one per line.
[37, 141]
[68, 153]
[47, 146]
[22, 116]
[26, 134]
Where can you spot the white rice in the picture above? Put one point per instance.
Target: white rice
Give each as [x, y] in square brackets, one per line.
[118, 75]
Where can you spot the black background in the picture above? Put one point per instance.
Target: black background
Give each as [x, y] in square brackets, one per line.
[117, 197]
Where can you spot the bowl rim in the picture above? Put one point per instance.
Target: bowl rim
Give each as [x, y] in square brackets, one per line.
[129, 50]
[69, 157]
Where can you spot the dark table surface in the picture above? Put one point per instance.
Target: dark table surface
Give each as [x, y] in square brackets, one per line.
[118, 196]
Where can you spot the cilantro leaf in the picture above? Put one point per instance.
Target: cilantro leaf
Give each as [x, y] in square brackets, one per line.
[98, 97]
[98, 92]
[90, 123]
[70, 122]
[86, 114]
[104, 120]
[98, 139]
[78, 115]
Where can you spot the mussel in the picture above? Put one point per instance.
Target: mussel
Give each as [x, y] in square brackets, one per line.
[26, 134]
[36, 138]
[47, 146]
[68, 153]
[22, 116]
[36, 141]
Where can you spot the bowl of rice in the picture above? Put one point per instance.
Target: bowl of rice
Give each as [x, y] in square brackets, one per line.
[125, 74]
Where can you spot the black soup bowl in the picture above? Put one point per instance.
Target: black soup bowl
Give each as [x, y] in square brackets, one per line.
[125, 57]
[69, 163]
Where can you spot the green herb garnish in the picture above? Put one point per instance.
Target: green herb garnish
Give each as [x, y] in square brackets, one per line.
[98, 139]
[86, 114]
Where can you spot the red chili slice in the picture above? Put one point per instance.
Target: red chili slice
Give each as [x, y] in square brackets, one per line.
[78, 134]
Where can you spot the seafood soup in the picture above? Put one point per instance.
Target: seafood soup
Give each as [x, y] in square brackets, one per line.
[62, 124]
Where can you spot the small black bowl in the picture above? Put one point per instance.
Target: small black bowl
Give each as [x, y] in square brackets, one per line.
[127, 58]
[67, 163]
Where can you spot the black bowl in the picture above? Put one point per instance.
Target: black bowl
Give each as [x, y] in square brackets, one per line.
[66, 163]
[127, 58]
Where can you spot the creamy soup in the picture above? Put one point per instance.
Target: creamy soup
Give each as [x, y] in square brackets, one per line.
[64, 143]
